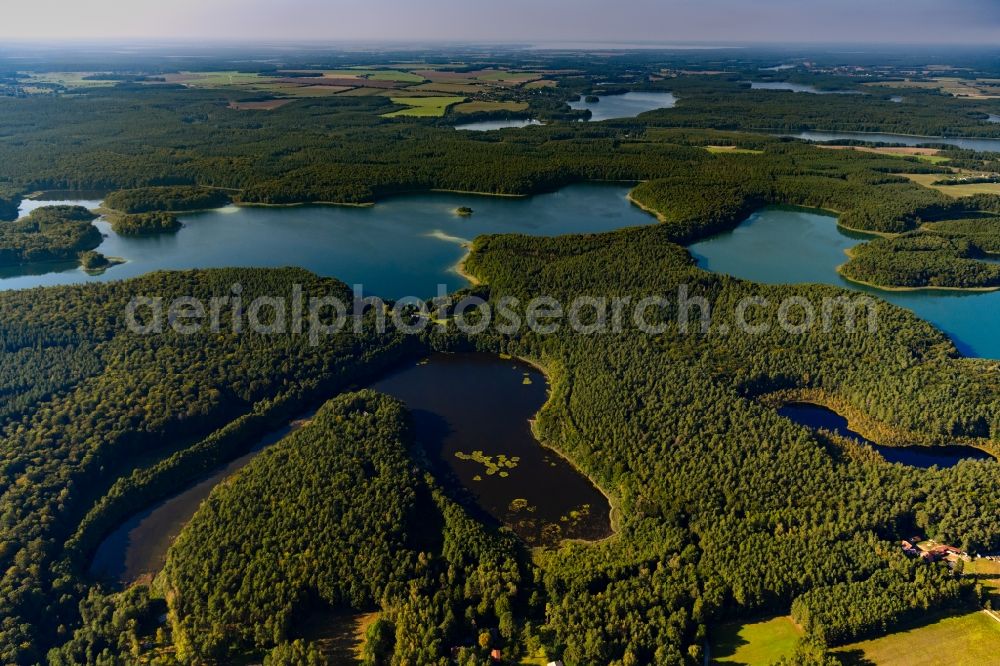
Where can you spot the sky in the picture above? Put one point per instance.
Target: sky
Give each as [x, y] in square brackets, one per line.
[665, 21]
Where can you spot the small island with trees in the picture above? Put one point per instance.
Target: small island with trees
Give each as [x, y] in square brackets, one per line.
[463, 211]
[144, 224]
[50, 233]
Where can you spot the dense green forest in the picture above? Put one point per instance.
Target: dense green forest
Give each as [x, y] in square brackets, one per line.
[352, 523]
[953, 253]
[143, 224]
[723, 508]
[697, 471]
[89, 402]
[50, 233]
[169, 199]
[921, 260]
[717, 195]
[339, 149]
[349, 468]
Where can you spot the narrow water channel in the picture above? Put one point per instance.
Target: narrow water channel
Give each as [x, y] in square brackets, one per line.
[137, 550]
[924, 457]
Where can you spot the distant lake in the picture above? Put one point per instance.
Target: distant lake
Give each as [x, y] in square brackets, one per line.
[799, 88]
[404, 245]
[984, 144]
[468, 403]
[626, 105]
[924, 457]
[782, 245]
[487, 125]
[87, 199]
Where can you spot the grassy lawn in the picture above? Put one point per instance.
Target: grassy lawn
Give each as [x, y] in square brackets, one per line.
[475, 107]
[754, 643]
[960, 640]
[423, 107]
[956, 191]
[987, 574]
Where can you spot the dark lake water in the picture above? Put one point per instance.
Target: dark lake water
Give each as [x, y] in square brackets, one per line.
[924, 457]
[486, 125]
[627, 105]
[780, 245]
[472, 412]
[138, 548]
[403, 246]
[904, 139]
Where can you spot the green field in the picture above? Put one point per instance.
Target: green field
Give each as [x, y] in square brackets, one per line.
[987, 574]
[927, 180]
[960, 640]
[755, 643]
[423, 107]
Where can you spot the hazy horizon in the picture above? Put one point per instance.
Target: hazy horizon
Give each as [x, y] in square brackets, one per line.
[660, 22]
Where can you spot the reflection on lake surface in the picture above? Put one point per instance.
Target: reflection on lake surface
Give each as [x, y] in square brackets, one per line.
[627, 105]
[924, 457]
[472, 412]
[138, 548]
[405, 245]
[487, 125]
[799, 88]
[781, 245]
[904, 139]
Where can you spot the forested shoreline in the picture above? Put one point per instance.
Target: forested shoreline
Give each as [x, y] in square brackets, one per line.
[723, 508]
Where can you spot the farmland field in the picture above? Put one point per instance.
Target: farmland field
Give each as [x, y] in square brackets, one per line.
[961, 640]
[931, 155]
[423, 107]
[956, 191]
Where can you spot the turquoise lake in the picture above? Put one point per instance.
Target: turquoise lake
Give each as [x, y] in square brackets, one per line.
[780, 245]
[402, 246]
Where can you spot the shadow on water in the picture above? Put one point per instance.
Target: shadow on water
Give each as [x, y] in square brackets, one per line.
[923, 457]
[137, 550]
